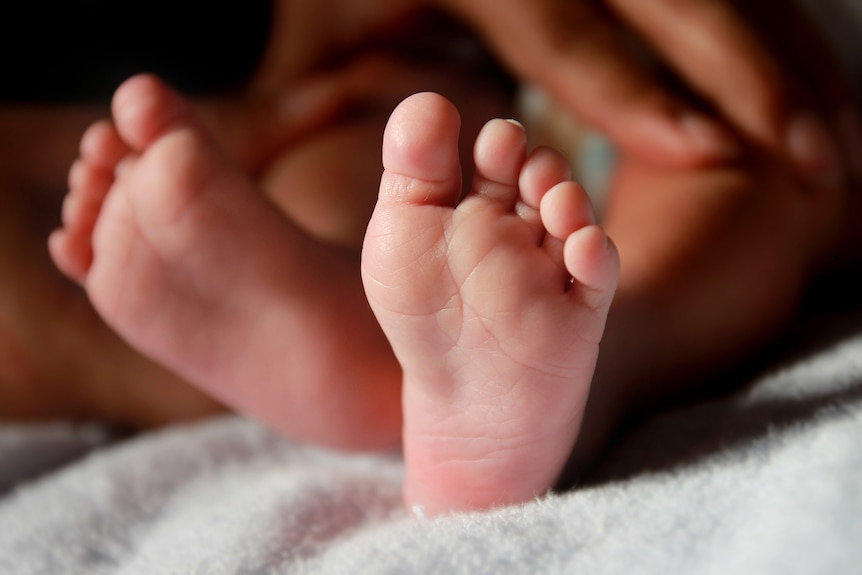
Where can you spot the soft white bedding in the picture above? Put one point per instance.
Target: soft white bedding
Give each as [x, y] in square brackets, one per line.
[765, 480]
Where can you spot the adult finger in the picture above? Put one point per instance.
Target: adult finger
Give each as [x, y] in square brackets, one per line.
[252, 127]
[576, 53]
[820, 73]
[717, 52]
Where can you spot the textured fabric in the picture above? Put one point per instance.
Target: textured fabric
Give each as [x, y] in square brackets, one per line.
[767, 480]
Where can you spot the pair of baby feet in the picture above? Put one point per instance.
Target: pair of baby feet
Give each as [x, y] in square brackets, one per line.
[494, 304]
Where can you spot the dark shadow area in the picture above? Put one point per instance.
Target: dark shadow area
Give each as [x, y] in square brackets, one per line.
[44, 450]
[81, 51]
[688, 434]
[683, 440]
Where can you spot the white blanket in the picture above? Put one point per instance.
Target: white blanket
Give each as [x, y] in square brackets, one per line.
[766, 480]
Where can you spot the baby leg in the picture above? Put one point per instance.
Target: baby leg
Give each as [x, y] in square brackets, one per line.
[185, 258]
[494, 305]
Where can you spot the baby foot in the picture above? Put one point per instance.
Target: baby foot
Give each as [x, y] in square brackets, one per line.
[184, 257]
[494, 306]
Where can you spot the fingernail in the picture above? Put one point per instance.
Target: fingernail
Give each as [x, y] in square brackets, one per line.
[709, 137]
[516, 123]
[814, 150]
[850, 128]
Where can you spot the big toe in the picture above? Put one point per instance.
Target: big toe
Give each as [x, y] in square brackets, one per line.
[145, 108]
[420, 152]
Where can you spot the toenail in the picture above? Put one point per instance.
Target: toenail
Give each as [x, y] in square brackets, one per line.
[516, 123]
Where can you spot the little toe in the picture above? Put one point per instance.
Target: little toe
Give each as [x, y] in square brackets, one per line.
[499, 153]
[420, 153]
[587, 254]
[593, 261]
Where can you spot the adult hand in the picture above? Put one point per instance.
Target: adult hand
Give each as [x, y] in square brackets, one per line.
[762, 70]
[742, 71]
